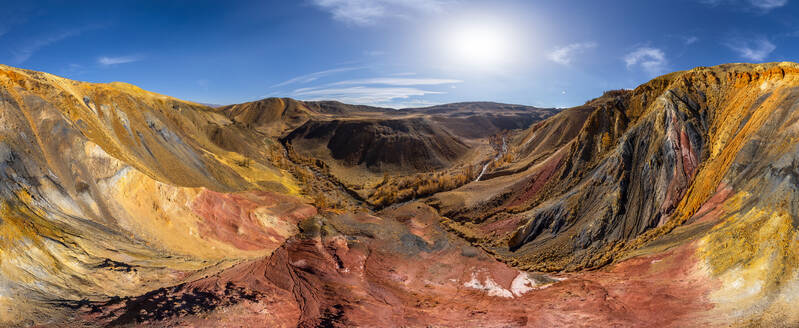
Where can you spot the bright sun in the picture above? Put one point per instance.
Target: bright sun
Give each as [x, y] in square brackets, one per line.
[480, 45]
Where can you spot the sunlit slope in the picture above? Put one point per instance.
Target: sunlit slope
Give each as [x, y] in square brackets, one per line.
[644, 162]
[673, 204]
[107, 189]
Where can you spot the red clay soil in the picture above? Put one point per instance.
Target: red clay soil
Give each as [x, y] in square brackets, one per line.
[540, 178]
[664, 290]
[387, 275]
[711, 209]
[241, 294]
[689, 159]
[231, 218]
[501, 227]
[681, 175]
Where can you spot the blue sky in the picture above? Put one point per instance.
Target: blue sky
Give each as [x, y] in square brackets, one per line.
[397, 53]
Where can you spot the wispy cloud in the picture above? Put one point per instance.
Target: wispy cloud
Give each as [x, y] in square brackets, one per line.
[110, 61]
[374, 53]
[651, 60]
[759, 5]
[363, 94]
[689, 40]
[564, 55]
[768, 4]
[73, 70]
[397, 81]
[390, 90]
[755, 49]
[307, 78]
[410, 103]
[368, 12]
[28, 49]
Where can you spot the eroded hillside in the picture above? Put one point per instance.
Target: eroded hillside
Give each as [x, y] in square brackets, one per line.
[668, 205]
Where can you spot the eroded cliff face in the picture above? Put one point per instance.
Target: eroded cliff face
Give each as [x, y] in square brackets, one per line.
[109, 190]
[123, 207]
[703, 157]
[643, 162]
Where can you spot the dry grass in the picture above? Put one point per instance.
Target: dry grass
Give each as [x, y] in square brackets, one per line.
[403, 188]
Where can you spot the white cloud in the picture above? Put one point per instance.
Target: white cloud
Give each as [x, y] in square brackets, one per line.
[392, 90]
[314, 76]
[651, 60]
[367, 12]
[565, 55]
[761, 5]
[689, 40]
[711, 3]
[363, 94]
[110, 61]
[768, 4]
[756, 49]
[398, 81]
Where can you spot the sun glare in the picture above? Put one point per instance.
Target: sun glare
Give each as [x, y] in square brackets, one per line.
[476, 44]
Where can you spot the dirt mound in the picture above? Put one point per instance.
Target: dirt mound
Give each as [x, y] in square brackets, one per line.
[271, 116]
[387, 145]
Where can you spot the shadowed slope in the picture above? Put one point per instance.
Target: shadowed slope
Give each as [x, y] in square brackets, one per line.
[644, 161]
[123, 207]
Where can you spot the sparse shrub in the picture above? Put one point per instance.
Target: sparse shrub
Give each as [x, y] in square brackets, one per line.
[403, 188]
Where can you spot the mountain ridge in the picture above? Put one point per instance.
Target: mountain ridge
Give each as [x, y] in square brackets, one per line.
[672, 204]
